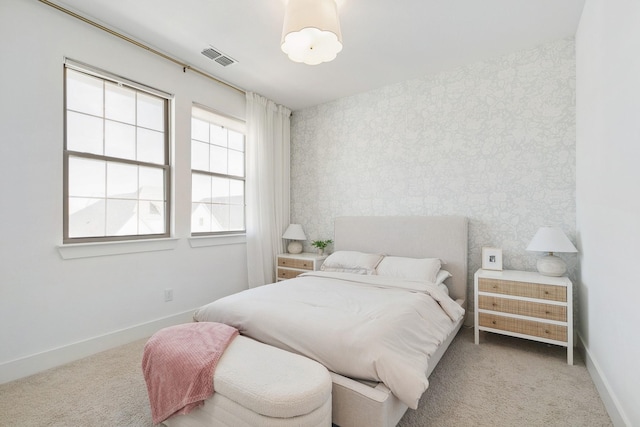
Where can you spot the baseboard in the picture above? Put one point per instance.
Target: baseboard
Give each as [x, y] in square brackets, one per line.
[35, 363]
[611, 402]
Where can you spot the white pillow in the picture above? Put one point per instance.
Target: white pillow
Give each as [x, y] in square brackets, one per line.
[351, 262]
[418, 269]
[442, 276]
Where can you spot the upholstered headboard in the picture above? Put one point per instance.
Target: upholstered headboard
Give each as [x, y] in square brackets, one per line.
[444, 237]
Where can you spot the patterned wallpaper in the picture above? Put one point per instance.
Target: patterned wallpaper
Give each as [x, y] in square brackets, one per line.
[494, 141]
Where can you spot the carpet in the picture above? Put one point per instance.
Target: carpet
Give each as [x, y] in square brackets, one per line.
[502, 382]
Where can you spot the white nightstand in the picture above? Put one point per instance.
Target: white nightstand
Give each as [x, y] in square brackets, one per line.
[292, 265]
[525, 304]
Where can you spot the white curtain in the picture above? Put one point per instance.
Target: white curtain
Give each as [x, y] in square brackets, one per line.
[268, 162]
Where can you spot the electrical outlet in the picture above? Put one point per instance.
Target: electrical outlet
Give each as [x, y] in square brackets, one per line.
[168, 295]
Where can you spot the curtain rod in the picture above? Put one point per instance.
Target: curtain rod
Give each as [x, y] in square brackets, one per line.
[184, 66]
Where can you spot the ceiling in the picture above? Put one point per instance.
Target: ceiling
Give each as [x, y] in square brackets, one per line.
[384, 41]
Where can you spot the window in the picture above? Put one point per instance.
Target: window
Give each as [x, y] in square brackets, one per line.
[116, 158]
[217, 173]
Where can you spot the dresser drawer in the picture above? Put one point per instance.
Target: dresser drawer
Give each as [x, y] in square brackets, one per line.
[525, 327]
[523, 308]
[523, 289]
[284, 273]
[305, 264]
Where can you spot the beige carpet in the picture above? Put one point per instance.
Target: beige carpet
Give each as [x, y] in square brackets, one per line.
[503, 382]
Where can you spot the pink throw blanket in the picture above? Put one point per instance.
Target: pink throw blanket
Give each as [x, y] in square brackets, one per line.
[178, 364]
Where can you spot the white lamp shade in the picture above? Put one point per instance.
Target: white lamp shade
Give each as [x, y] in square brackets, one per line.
[551, 239]
[311, 31]
[294, 232]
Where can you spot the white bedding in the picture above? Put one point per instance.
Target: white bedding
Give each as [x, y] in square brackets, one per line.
[364, 327]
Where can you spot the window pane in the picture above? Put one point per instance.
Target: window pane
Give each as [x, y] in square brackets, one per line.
[84, 133]
[120, 140]
[151, 217]
[199, 130]
[200, 218]
[120, 103]
[122, 181]
[150, 112]
[150, 146]
[236, 163]
[84, 93]
[151, 183]
[86, 217]
[122, 217]
[201, 188]
[219, 190]
[236, 218]
[218, 135]
[236, 141]
[86, 177]
[236, 192]
[199, 156]
[220, 221]
[218, 159]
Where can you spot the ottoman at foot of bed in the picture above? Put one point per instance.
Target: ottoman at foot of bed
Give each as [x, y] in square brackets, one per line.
[260, 385]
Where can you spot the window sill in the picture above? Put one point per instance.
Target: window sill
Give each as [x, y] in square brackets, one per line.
[88, 250]
[226, 239]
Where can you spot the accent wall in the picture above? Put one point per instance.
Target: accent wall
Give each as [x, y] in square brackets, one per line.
[493, 141]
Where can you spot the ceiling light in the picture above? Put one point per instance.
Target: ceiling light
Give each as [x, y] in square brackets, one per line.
[311, 31]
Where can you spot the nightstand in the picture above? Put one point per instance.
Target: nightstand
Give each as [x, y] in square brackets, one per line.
[525, 304]
[292, 265]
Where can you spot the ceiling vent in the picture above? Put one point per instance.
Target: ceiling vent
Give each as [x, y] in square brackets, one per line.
[218, 56]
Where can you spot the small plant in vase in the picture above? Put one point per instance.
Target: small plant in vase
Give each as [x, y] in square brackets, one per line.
[321, 245]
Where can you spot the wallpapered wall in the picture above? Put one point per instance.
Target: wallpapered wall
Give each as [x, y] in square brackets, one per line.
[494, 141]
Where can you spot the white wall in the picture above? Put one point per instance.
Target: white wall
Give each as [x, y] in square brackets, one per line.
[494, 141]
[608, 200]
[53, 310]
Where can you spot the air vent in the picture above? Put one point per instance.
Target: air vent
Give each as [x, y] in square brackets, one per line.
[219, 57]
[224, 61]
[211, 53]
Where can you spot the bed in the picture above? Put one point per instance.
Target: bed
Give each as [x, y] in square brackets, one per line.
[354, 323]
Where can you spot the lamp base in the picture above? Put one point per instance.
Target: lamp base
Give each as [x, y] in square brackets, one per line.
[294, 247]
[551, 265]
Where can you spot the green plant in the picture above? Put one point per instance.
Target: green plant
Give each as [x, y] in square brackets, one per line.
[321, 244]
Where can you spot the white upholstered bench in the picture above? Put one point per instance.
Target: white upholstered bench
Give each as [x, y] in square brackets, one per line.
[259, 385]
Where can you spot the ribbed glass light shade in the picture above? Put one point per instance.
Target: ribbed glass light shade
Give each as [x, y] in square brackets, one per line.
[311, 31]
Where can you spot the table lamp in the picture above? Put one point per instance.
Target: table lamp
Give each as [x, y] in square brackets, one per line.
[295, 234]
[550, 240]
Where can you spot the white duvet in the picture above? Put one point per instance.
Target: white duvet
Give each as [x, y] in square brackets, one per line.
[364, 327]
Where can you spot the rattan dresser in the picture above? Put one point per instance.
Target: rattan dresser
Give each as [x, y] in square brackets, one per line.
[292, 265]
[525, 304]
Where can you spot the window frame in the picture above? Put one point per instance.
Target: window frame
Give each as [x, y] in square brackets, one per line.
[165, 167]
[229, 123]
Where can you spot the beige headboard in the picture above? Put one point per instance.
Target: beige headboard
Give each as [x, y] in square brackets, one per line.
[444, 237]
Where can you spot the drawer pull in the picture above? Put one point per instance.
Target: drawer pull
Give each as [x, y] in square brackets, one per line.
[493, 322]
[546, 331]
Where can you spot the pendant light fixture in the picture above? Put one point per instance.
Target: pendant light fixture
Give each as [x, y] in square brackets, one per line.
[311, 31]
